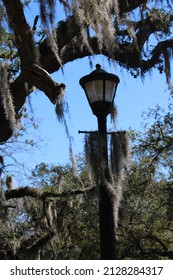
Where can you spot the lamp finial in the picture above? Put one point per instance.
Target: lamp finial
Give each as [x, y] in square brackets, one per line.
[98, 66]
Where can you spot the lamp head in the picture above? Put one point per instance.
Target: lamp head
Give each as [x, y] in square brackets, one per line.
[100, 89]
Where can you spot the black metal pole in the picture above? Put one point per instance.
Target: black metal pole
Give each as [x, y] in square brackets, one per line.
[106, 211]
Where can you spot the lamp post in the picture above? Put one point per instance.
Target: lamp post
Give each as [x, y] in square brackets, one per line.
[100, 89]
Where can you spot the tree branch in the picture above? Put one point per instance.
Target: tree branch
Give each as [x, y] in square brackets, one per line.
[22, 31]
[41, 194]
[129, 5]
[40, 78]
[149, 26]
[126, 54]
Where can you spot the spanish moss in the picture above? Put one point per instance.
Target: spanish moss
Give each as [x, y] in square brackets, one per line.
[6, 97]
[114, 114]
[105, 20]
[119, 154]
[93, 147]
[47, 11]
[61, 109]
[47, 15]
[112, 175]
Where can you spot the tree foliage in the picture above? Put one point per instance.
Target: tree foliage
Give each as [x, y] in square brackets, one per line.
[146, 225]
[56, 221]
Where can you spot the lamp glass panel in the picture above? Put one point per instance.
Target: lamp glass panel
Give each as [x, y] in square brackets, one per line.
[109, 90]
[94, 90]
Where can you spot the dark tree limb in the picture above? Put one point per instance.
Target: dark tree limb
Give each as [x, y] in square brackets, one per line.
[127, 54]
[129, 5]
[22, 31]
[40, 194]
[149, 26]
[37, 76]
[31, 73]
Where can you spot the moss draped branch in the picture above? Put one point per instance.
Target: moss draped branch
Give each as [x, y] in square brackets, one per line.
[22, 31]
[41, 194]
[127, 53]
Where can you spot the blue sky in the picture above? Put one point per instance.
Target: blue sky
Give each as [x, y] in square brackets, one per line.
[133, 97]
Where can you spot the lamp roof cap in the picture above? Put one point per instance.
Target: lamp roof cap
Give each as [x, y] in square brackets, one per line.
[99, 74]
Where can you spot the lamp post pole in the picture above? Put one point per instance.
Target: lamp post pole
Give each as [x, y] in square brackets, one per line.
[106, 211]
[100, 88]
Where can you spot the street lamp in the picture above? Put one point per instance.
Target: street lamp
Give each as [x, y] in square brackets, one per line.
[100, 89]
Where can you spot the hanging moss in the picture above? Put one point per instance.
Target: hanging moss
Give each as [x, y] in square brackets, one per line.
[47, 11]
[61, 110]
[114, 114]
[47, 15]
[119, 159]
[6, 97]
[112, 175]
[98, 15]
[119, 153]
[93, 154]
